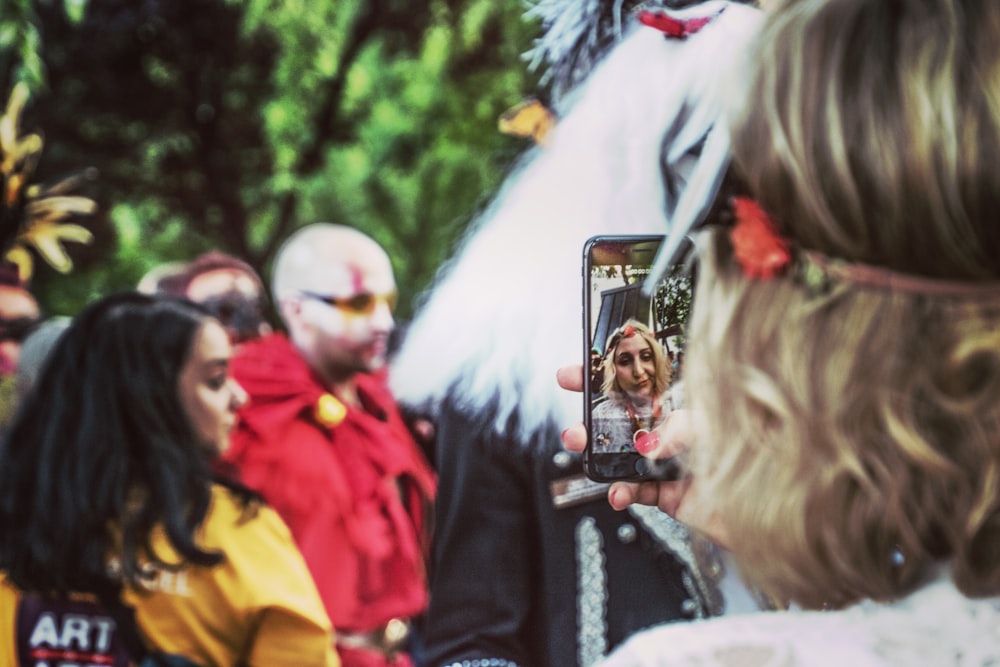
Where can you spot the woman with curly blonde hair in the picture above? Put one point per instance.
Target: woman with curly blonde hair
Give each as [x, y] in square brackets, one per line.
[843, 367]
[635, 398]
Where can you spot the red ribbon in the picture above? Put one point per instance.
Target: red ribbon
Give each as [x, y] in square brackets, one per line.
[673, 27]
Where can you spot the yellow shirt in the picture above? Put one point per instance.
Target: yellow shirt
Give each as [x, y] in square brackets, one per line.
[258, 607]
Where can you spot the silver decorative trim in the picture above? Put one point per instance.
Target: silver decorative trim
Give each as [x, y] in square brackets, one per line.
[592, 593]
[673, 536]
[483, 662]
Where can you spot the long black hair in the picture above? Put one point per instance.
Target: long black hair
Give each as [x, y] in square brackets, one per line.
[102, 452]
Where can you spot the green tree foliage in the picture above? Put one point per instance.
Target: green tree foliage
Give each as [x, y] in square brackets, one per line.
[228, 123]
[672, 303]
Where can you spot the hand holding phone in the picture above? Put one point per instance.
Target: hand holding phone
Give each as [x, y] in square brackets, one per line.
[633, 346]
[681, 499]
[665, 494]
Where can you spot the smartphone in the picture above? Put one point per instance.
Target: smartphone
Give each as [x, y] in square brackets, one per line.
[633, 351]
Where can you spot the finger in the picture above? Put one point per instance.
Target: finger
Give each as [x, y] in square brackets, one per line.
[570, 377]
[574, 438]
[622, 494]
[672, 437]
[667, 496]
[670, 498]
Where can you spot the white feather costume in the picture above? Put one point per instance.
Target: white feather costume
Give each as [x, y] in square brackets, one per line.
[531, 566]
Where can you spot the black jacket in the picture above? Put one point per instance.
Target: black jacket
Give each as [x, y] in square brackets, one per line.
[518, 580]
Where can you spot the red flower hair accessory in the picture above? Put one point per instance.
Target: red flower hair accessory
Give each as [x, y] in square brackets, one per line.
[761, 252]
[628, 331]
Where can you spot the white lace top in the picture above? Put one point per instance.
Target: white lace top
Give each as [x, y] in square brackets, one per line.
[934, 627]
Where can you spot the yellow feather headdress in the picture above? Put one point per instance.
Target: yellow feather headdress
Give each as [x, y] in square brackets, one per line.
[31, 214]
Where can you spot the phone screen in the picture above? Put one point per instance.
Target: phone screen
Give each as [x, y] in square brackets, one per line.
[634, 352]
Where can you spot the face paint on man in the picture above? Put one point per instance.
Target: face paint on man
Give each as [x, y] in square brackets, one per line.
[347, 293]
[351, 341]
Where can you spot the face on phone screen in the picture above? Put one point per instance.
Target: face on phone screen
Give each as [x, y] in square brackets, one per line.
[634, 350]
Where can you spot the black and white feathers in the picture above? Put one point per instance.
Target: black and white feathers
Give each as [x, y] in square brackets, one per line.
[577, 34]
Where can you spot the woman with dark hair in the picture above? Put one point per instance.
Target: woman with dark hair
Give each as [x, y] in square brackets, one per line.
[118, 537]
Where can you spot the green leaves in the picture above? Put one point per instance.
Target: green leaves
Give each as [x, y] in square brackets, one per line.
[229, 123]
[74, 9]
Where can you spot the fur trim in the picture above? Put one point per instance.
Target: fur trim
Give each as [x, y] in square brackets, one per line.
[505, 312]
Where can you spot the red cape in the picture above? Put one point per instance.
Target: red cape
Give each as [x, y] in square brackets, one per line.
[355, 495]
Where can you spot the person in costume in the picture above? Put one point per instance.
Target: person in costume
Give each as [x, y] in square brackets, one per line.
[636, 380]
[117, 540]
[530, 565]
[843, 366]
[227, 286]
[323, 440]
[231, 290]
[34, 225]
[20, 315]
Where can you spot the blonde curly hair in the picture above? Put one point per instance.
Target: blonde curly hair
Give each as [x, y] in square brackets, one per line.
[663, 373]
[852, 435]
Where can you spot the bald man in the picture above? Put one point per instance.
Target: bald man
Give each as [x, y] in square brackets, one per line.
[322, 439]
